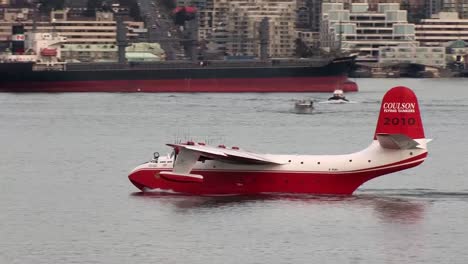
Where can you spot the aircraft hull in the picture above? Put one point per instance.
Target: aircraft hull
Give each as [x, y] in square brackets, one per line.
[253, 182]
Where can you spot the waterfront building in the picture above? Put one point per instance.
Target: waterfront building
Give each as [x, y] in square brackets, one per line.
[442, 28]
[363, 31]
[102, 30]
[457, 53]
[429, 56]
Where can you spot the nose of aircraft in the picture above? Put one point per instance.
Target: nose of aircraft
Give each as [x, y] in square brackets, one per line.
[142, 179]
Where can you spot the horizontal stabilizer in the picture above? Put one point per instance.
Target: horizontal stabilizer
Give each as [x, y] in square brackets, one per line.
[396, 141]
[178, 177]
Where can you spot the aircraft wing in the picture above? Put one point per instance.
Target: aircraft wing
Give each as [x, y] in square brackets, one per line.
[227, 155]
[188, 155]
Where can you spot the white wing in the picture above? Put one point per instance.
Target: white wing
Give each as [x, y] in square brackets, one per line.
[227, 155]
[188, 155]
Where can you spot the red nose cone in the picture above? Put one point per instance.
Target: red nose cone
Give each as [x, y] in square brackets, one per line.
[142, 179]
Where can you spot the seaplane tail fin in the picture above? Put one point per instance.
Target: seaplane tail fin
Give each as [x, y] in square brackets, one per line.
[399, 123]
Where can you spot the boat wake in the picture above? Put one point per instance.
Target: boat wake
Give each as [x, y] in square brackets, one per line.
[337, 102]
[414, 193]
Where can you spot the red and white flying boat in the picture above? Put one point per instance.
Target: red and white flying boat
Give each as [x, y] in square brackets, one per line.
[195, 168]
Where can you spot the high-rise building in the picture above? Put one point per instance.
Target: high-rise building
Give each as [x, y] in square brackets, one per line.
[236, 26]
[315, 10]
[363, 31]
[460, 6]
[302, 14]
[309, 14]
[432, 7]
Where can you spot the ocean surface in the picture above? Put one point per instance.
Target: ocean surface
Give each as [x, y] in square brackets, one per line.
[65, 196]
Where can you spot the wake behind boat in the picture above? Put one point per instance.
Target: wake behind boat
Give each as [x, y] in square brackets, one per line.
[196, 168]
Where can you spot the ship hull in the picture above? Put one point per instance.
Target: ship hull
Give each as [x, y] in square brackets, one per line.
[226, 85]
[167, 77]
[243, 183]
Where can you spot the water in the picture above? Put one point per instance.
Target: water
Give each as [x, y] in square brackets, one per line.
[65, 196]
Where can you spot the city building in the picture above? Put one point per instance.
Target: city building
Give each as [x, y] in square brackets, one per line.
[4, 2]
[432, 7]
[310, 38]
[236, 26]
[429, 56]
[442, 28]
[363, 31]
[303, 15]
[374, 4]
[102, 30]
[199, 4]
[459, 6]
[415, 8]
[315, 10]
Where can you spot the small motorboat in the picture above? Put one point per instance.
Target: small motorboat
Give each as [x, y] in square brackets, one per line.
[338, 96]
[304, 104]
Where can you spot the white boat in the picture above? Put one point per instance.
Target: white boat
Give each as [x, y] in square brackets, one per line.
[304, 104]
[338, 97]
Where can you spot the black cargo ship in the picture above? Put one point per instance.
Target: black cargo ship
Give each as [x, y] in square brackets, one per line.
[210, 76]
